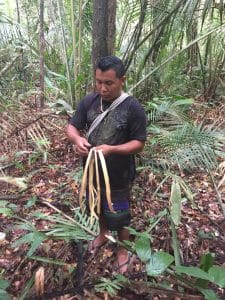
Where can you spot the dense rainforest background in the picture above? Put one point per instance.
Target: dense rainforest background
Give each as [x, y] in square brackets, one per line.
[174, 54]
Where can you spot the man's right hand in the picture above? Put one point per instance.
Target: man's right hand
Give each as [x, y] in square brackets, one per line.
[82, 146]
[80, 143]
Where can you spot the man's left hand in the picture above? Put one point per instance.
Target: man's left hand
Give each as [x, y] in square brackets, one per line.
[106, 149]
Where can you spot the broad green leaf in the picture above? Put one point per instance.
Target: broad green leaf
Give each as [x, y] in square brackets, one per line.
[143, 249]
[32, 238]
[175, 202]
[138, 233]
[39, 237]
[217, 275]
[31, 202]
[209, 294]
[158, 263]
[121, 278]
[28, 238]
[3, 203]
[6, 211]
[193, 271]
[206, 263]
[4, 295]
[4, 284]
[12, 206]
[39, 215]
[205, 235]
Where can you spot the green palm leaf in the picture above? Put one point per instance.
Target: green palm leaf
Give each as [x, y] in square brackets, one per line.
[175, 141]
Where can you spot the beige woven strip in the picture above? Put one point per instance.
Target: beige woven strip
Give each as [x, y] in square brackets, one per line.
[91, 168]
[84, 179]
[98, 195]
[106, 178]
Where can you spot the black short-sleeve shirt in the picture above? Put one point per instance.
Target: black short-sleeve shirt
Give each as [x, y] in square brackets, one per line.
[125, 123]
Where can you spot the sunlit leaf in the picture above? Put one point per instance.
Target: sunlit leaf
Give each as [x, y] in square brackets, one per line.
[206, 263]
[175, 202]
[4, 284]
[31, 202]
[209, 294]
[158, 263]
[33, 238]
[6, 211]
[217, 275]
[4, 295]
[193, 271]
[38, 239]
[143, 249]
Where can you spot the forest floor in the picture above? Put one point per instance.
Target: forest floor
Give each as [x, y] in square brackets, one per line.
[56, 181]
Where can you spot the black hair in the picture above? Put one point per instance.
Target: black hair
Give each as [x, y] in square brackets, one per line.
[111, 62]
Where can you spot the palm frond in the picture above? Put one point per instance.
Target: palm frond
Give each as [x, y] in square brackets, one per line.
[167, 111]
[80, 227]
[9, 31]
[61, 226]
[175, 141]
[188, 147]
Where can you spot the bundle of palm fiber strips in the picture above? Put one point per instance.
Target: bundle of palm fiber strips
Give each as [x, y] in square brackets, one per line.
[91, 182]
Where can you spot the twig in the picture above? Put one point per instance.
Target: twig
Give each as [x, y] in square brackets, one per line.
[10, 197]
[154, 289]
[7, 166]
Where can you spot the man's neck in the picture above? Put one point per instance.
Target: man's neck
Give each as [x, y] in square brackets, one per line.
[113, 99]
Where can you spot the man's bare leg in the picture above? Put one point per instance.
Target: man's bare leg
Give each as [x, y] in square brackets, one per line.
[122, 253]
[100, 239]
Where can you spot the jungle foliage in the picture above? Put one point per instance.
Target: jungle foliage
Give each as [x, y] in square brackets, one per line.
[174, 56]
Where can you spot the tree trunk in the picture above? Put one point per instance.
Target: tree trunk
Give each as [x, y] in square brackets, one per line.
[192, 34]
[111, 26]
[104, 13]
[18, 12]
[42, 49]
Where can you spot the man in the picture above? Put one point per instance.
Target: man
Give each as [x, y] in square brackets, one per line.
[120, 135]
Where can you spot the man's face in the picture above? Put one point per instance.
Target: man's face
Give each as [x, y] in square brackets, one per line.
[108, 85]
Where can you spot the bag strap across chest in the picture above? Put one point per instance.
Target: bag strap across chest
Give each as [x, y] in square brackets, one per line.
[100, 117]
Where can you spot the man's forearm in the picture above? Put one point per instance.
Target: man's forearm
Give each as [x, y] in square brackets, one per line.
[73, 134]
[131, 147]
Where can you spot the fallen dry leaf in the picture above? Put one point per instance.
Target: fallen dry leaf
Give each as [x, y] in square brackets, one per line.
[39, 281]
